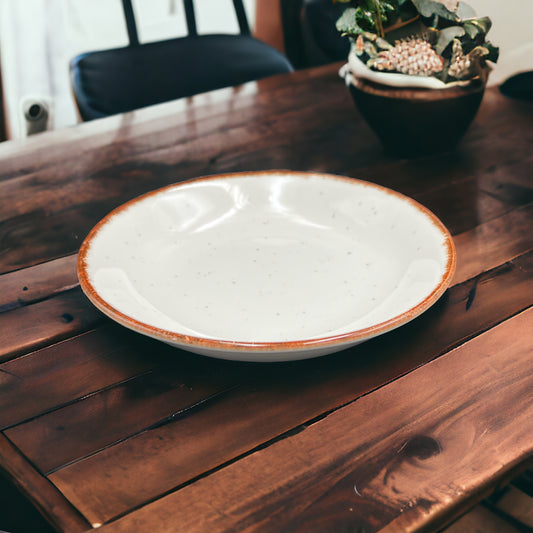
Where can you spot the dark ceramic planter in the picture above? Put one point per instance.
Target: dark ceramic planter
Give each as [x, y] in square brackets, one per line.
[411, 122]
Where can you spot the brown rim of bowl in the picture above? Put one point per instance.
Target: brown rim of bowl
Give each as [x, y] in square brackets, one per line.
[275, 346]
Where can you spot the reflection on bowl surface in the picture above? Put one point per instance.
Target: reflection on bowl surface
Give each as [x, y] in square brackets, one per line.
[267, 266]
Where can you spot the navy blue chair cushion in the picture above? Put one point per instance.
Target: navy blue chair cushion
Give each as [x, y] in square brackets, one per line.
[114, 81]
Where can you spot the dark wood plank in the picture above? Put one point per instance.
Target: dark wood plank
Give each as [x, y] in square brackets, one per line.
[30, 285]
[515, 504]
[524, 481]
[44, 496]
[69, 371]
[70, 191]
[273, 400]
[395, 453]
[18, 514]
[161, 127]
[491, 244]
[117, 420]
[32, 327]
[482, 520]
[83, 428]
[484, 247]
[270, 128]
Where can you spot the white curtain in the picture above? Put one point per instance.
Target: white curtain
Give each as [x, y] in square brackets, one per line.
[28, 47]
[38, 38]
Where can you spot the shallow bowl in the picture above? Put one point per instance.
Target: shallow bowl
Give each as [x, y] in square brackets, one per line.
[267, 266]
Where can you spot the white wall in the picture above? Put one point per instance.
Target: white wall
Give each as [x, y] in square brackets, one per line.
[512, 31]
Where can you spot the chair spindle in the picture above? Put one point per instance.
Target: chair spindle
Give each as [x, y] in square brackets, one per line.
[131, 25]
[190, 17]
[241, 17]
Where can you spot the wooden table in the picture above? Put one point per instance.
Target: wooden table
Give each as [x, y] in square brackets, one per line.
[104, 427]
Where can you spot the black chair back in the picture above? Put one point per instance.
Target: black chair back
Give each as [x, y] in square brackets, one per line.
[113, 81]
[190, 17]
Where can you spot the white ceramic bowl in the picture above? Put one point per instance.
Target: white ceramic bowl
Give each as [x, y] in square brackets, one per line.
[267, 266]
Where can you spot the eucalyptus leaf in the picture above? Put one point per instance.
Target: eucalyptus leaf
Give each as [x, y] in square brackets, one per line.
[347, 24]
[494, 52]
[477, 27]
[465, 11]
[446, 36]
[432, 8]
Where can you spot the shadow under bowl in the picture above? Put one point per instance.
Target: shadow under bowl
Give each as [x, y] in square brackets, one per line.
[412, 122]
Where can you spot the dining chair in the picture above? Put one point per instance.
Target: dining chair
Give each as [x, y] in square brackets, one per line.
[320, 18]
[107, 82]
[310, 34]
[519, 86]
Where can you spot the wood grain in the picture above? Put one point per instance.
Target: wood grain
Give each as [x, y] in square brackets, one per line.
[32, 327]
[47, 499]
[101, 167]
[459, 296]
[83, 366]
[70, 193]
[103, 426]
[401, 456]
[481, 519]
[30, 285]
[481, 248]
[100, 420]
[303, 392]
[493, 243]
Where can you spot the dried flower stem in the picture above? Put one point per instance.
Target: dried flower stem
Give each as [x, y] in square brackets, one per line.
[377, 19]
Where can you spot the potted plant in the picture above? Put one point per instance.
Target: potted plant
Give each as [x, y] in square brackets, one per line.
[417, 69]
